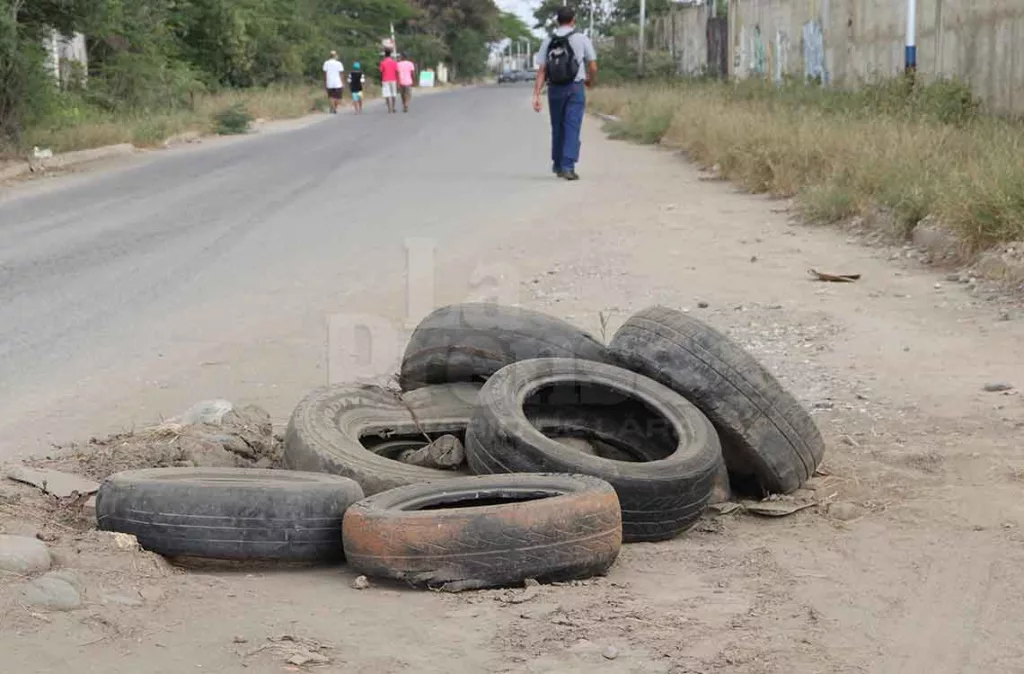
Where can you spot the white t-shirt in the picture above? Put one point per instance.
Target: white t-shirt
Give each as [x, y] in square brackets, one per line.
[334, 69]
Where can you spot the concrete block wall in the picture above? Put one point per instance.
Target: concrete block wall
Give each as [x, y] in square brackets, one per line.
[845, 42]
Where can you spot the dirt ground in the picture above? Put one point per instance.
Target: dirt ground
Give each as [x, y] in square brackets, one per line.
[910, 562]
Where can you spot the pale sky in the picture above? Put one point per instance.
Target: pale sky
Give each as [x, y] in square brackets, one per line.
[524, 8]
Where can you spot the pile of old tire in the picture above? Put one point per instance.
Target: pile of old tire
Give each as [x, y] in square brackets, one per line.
[651, 416]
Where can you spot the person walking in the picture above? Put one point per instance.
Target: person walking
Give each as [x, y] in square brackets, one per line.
[567, 62]
[389, 80]
[355, 87]
[333, 70]
[406, 79]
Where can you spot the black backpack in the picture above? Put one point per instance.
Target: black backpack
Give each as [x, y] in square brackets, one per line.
[561, 65]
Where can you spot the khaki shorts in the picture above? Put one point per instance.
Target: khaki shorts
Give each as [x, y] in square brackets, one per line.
[389, 89]
[405, 91]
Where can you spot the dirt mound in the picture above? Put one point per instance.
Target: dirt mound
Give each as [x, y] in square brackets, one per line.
[244, 438]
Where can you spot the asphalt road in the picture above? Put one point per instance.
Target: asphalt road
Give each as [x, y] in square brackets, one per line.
[116, 286]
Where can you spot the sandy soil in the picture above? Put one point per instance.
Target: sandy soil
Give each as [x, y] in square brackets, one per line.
[909, 564]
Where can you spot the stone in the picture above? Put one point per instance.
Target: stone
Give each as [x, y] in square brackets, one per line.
[361, 583]
[23, 555]
[444, 453]
[721, 492]
[844, 512]
[152, 593]
[52, 591]
[610, 653]
[997, 387]
[702, 305]
[206, 412]
[121, 600]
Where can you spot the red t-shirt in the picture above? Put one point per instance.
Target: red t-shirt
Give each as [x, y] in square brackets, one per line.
[388, 70]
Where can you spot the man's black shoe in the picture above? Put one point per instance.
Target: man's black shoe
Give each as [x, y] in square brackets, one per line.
[569, 175]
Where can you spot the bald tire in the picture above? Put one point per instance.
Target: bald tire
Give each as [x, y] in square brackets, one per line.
[768, 438]
[229, 513]
[326, 429]
[545, 527]
[660, 498]
[470, 342]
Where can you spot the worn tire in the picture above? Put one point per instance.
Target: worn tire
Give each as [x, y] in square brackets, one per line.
[662, 493]
[470, 342]
[229, 513]
[325, 429]
[573, 530]
[770, 442]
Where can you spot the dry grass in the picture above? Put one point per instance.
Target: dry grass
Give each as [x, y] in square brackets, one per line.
[81, 128]
[843, 155]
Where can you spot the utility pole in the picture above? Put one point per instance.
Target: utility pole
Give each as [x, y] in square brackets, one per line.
[714, 8]
[911, 53]
[643, 41]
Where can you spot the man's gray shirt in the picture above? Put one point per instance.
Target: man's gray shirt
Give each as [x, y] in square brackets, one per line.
[582, 49]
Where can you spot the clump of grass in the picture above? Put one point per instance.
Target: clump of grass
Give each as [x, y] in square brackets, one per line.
[911, 151]
[80, 126]
[235, 119]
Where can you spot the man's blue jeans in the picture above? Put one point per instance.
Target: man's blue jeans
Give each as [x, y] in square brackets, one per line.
[566, 103]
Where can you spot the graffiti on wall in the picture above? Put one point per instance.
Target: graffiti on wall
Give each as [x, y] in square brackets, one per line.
[780, 58]
[814, 52]
[759, 56]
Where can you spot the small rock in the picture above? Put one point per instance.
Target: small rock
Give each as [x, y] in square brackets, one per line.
[702, 305]
[206, 412]
[152, 593]
[120, 600]
[610, 653]
[23, 555]
[824, 405]
[530, 582]
[361, 583]
[753, 258]
[52, 591]
[1004, 316]
[996, 387]
[844, 512]
[938, 286]
[953, 278]
[240, 640]
[444, 453]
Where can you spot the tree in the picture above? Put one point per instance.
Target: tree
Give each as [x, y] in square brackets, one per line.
[545, 13]
[510, 26]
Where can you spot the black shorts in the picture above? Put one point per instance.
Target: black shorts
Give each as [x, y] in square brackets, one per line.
[334, 93]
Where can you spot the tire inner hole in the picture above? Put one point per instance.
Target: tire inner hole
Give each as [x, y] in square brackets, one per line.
[602, 421]
[477, 499]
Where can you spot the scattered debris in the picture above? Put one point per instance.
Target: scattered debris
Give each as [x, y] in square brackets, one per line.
[209, 412]
[530, 592]
[844, 512]
[125, 541]
[294, 650]
[23, 555]
[53, 482]
[776, 508]
[833, 278]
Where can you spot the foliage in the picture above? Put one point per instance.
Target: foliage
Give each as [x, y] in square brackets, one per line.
[159, 55]
[904, 150]
[233, 120]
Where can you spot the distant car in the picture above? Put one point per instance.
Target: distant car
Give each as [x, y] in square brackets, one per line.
[509, 76]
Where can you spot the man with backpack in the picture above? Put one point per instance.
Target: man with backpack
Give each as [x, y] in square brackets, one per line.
[567, 62]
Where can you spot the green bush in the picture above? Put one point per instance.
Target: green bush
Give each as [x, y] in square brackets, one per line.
[233, 120]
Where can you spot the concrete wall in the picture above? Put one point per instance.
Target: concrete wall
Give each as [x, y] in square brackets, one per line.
[683, 34]
[847, 41]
